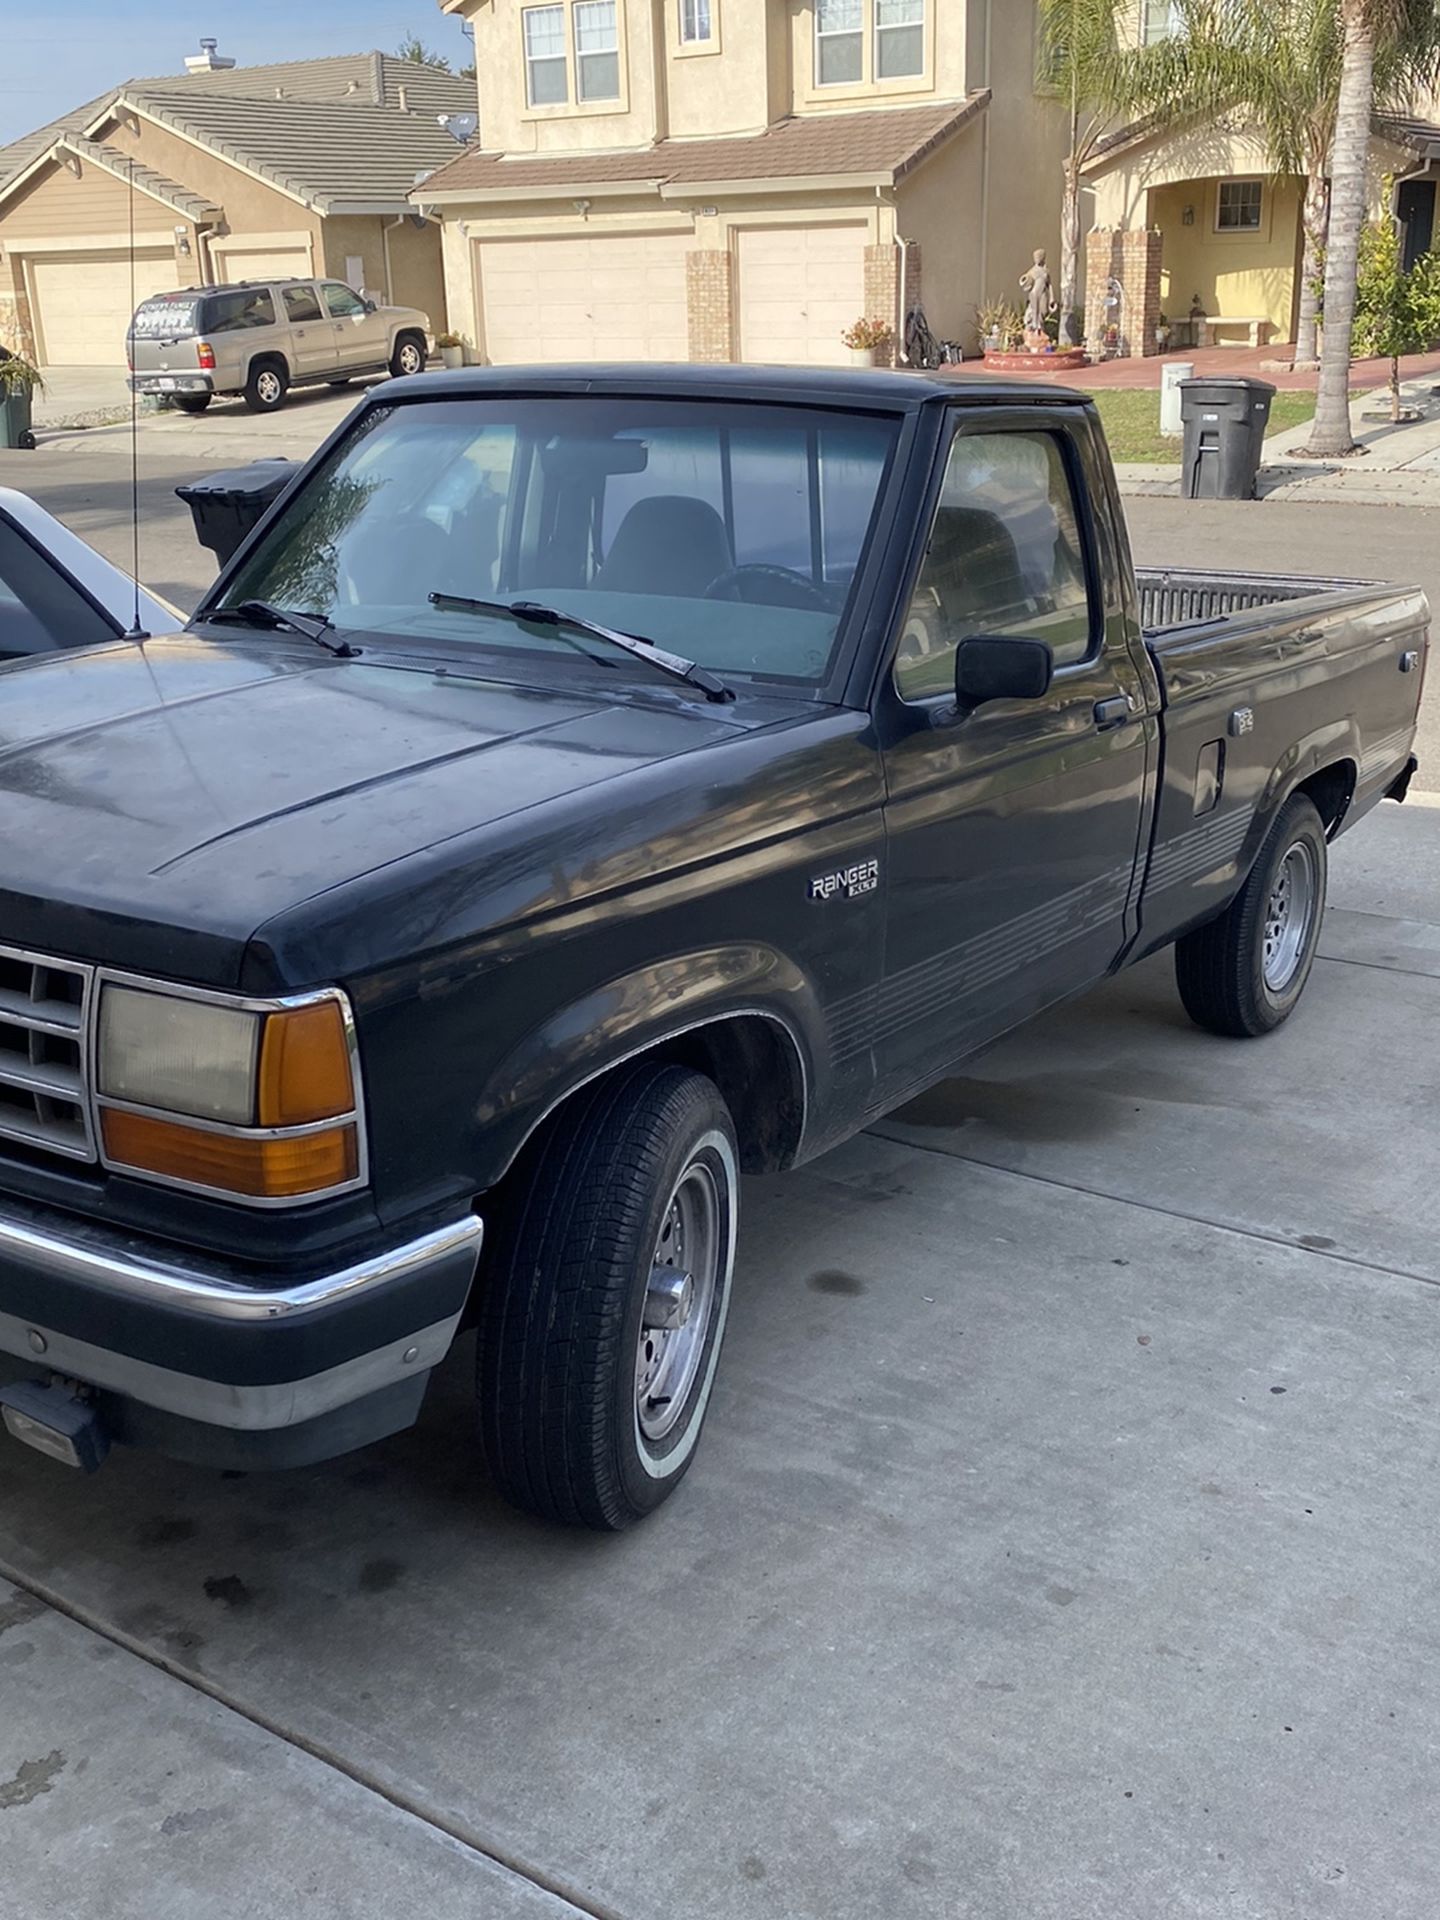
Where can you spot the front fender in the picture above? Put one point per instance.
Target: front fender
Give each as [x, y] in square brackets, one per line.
[630, 1015]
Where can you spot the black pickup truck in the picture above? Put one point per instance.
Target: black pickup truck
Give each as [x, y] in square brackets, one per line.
[583, 787]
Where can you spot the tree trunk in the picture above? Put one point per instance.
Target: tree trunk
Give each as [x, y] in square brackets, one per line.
[1314, 218]
[1070, 253]
[1331, 433]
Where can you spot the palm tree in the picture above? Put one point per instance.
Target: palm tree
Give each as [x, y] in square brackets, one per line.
[1085, 65]
[1370, 30]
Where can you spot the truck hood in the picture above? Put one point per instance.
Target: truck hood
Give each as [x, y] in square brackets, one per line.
[162, 801]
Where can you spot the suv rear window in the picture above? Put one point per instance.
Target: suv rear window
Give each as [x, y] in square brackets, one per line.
[166, 317]
[245, 307]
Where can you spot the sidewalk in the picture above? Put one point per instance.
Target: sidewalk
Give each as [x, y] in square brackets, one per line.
[1399, 468]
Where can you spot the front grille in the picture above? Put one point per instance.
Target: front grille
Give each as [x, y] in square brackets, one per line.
[44, 1020]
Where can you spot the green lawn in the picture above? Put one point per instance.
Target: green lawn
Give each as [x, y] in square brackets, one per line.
[1132, 421]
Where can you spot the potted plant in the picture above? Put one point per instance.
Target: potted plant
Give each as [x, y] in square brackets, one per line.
[864, 338]
[452, 349]
[19, 380]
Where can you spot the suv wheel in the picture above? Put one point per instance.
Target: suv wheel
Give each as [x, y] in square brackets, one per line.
[267, 386]
[193, 402]
[408, 357]
[603, 1312]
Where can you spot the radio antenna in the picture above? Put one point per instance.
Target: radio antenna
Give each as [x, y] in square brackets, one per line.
[137, 632]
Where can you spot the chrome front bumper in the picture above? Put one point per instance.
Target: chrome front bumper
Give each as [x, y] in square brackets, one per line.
[197, 1341]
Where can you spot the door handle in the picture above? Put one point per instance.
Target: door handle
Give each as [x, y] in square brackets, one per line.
[1112, 713]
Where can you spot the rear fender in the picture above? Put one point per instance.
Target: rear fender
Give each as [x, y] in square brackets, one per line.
[1335, 745]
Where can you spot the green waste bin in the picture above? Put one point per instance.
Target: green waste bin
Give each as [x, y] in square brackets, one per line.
[15, 429]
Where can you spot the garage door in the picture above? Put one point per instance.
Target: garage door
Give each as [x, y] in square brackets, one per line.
[596, 297]
[83, 305]
[261, 263]
[799, 286]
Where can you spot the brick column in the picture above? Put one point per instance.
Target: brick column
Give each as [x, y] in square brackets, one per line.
[882, 292]
[16, 332]
[1128, 261]
[710, 302]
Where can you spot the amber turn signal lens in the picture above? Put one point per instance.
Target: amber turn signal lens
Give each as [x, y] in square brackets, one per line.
[305, 1066]
[261, 1169]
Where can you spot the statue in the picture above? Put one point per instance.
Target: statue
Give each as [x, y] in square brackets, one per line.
[1039, 296]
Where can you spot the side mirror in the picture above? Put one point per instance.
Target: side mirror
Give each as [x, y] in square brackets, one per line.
[991, 669]
[369, 305]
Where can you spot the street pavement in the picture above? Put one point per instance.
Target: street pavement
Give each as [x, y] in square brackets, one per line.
[1059, 1548]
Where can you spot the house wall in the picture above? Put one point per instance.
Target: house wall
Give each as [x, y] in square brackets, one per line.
[250, 205]
[726, 86]
[511, 124]
[417, 271]
[58, 204]
[1249, 274]
[941, 208]
[1024, 172]
[946, 75]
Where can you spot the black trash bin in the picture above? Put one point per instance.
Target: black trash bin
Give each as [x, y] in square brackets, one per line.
[1224, 417]
[225, 506]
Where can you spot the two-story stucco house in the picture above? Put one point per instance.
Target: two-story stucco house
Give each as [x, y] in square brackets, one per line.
[740, 179]
[1196, 216]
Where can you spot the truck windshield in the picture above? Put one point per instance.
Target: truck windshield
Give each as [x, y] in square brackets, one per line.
[726, 532]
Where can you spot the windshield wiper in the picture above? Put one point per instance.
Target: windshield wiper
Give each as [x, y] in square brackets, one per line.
[526, 611]
[310, 626]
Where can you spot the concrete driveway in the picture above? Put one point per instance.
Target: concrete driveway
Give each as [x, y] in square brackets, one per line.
[1058, 1547]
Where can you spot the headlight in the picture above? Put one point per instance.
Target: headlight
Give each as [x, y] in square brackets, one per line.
[245, 1099]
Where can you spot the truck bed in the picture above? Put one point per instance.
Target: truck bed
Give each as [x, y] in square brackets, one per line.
[1181, 596]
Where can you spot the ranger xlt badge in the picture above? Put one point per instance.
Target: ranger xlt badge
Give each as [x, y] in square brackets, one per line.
[851, 882]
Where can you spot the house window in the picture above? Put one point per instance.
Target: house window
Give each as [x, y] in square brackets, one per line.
[545, 55]
[839, 42]
[899, 38]
[1159, 21]
[695, 27]
[1238, 208]
[597, 51]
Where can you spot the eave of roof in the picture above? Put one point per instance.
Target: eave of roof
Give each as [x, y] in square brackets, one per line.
[878, 147]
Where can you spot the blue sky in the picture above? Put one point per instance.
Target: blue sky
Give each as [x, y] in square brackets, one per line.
[58, 56]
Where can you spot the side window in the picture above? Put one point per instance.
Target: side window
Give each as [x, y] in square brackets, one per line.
[246, 307]
[1006, 556]
[301, 304]
[341, 302]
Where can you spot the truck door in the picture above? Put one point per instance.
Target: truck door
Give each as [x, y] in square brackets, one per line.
[1012, 828]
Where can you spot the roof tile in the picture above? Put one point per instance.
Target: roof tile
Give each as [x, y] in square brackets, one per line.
[885, 141]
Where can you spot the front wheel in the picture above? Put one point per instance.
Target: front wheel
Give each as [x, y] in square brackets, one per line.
[1242, 974]
[603, 1314]
[408, 357]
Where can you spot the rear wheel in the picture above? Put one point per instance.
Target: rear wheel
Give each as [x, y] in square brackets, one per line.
[193, 402]
[604, 1312]
[1244, 973]
[266, 387]
[409, 355]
